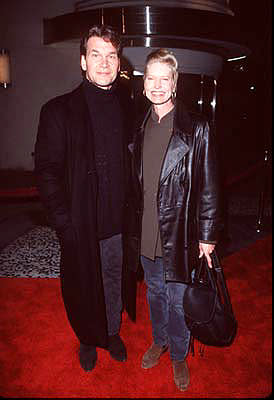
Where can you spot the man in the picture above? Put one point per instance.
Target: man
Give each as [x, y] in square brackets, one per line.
[81, 163]
[176, 206]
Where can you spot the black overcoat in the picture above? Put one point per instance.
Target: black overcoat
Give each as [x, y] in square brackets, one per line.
[66, 179]
[188, 197]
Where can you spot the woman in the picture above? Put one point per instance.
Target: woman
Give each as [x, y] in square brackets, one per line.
[176, 208]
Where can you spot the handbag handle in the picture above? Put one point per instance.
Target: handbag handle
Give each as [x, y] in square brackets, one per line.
[215, 276]
[203, 267]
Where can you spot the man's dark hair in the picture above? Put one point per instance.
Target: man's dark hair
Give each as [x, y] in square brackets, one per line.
[105, 32]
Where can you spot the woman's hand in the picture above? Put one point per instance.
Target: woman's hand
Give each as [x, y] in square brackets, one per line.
[206, 249]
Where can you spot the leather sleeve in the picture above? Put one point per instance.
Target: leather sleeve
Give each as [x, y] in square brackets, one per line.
[209, 205]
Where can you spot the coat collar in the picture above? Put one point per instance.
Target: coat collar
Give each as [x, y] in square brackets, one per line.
[182, 121]
[178, 146]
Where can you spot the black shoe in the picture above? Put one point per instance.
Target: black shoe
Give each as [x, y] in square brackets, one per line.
[116, 348]
[87, 356]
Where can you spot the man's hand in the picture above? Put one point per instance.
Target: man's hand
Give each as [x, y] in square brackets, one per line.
[206, 249]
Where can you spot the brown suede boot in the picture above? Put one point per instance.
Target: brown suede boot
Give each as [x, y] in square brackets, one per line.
[152, 355]
[181, 374]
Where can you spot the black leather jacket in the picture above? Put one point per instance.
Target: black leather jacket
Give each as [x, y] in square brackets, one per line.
[188, 196]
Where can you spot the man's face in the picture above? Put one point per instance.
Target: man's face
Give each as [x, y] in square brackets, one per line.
[159, 83]
[101, 62]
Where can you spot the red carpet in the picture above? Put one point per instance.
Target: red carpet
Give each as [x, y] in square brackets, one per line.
[38, 351]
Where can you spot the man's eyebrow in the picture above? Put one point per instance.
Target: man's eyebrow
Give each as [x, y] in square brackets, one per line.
[98, 52]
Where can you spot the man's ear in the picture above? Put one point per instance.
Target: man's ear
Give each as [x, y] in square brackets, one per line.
[83, 63]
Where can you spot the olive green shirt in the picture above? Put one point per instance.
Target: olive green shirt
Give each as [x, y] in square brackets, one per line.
[156, 139]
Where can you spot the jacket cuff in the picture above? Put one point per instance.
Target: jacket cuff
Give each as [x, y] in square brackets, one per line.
[208, 241]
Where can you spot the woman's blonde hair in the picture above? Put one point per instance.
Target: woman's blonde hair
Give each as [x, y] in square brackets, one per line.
[166, 57]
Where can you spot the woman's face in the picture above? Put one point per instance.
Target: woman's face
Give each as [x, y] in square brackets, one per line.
[159, 83]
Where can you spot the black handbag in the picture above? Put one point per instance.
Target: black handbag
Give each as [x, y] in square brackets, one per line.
[207, 306]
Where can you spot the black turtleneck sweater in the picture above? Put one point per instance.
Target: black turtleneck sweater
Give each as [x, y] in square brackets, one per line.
[106, 119]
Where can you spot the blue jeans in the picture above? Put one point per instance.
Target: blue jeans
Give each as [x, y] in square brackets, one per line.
[165, 301]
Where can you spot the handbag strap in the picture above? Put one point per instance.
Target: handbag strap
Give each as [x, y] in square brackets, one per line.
[215, 277]
[219, 283]
[220, 279]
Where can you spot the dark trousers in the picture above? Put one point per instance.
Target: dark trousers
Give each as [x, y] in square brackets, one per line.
[111, 260]
[165, 301]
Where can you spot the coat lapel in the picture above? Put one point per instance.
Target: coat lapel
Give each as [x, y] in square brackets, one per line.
[78, 112]
[177, 149]
[80, 126]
